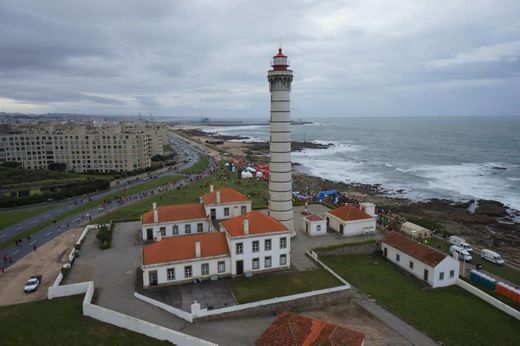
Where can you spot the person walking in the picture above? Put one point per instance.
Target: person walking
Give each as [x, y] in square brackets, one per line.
[34, 247]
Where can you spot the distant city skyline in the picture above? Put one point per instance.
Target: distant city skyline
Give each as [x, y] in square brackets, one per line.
[209, 59]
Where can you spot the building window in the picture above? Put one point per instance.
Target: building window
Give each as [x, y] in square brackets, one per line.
[256, 246]
[187, 229]
[175, 229]
[267, 262]
[411, 265]
[171, 273]
[283, 243]
[441, 276]
[452, 273]
[243, 209]
[221, 267]
[283, 260]
[267, 244]
[256, 263]
[239, 248]
[204, 268]
[318, 228]
[188, 273]
[226, 211]
[397, 257]
[199, 228]
[163, 231]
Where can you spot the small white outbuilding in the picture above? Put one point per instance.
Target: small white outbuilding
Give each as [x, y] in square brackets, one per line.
[349, 220]
[314, 225]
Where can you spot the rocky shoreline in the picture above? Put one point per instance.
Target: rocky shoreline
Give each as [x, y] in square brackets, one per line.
[484, 223]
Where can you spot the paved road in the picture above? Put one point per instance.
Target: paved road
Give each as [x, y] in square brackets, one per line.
[15, 252]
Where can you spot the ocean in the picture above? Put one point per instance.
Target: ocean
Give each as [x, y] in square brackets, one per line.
[457, 158]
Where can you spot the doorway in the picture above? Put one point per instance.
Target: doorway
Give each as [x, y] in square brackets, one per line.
[385, 252]
[152, 277]
[341, 229]
[213, 213]
[425, 276]
[240, 267]
[149, 233]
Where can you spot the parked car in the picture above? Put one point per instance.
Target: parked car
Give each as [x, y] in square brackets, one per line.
[32, 284]
[462, 254]
[460, 242]
[492, 256]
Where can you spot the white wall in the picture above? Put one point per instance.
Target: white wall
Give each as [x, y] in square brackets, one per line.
[248, 254]
[446, 266]
[352, 228]
[162, 270]
[169, 228]
[235, 209]
[311, 227]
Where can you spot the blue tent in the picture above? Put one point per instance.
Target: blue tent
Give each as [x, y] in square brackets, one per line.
[333, 194]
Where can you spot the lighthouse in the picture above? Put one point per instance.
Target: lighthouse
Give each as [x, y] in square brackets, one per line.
[280, 178]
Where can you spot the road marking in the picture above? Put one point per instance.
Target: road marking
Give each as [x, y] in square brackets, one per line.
[48, 234]
[14, 253]
[19, 228]
[33, 221]
[34, 241]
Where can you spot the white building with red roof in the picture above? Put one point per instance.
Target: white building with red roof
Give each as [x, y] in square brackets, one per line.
[314, 225]
[349, 220]
[174, 220]
[247, 244]
[225, 203]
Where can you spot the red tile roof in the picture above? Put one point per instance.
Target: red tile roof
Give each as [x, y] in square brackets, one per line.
[176, 212]
[348, 212]
[314, 217]
[182, 247]
[290, 329]
[227, 195]
[258, 223]
[421, 252]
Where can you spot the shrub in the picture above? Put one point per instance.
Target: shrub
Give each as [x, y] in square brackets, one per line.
[104, 236]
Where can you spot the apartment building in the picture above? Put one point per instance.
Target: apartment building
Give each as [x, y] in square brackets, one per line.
[101, 147]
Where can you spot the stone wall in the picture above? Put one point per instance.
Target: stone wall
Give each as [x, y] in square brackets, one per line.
[350, 249]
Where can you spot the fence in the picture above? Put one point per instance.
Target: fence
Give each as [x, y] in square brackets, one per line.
[489, 299]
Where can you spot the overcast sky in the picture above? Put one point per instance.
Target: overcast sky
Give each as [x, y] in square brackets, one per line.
[209, 58]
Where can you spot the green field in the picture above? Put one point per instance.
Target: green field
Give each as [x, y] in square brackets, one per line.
[80, 209]
[60, 322]
[17, 177]
[198, 167]
[10, 217]
[282, 284]
[450, 315]
[190, 193]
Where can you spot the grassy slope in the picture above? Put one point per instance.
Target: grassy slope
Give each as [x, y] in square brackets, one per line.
[14, 176]
[198, 167]
[135, 189]
[10, 217]
[256, 190]
[450, 314]
[264, 287]
[60, 322]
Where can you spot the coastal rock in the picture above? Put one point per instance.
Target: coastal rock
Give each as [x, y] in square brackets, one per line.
[491, 208]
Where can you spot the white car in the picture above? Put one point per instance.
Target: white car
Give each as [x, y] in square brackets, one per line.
[32, 284]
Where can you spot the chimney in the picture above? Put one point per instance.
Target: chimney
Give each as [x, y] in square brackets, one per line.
[218, 197]
[197, 248]
[246, 226]
[155, 213]
[211, 188]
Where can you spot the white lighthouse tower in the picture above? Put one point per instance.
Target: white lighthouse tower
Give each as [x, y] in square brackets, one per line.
[280, 179]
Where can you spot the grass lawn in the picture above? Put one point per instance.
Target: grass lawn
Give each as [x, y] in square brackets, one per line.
[198, 167]
[60, 322]
[12, 177]
[10, 217]
[450, 314]
[282, 284]
[190, 193]
[132, 190]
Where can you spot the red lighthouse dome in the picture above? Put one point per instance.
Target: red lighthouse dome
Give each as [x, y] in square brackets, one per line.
[280, 61]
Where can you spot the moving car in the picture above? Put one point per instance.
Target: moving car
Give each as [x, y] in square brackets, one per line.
[32, 284]
[492, 256]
